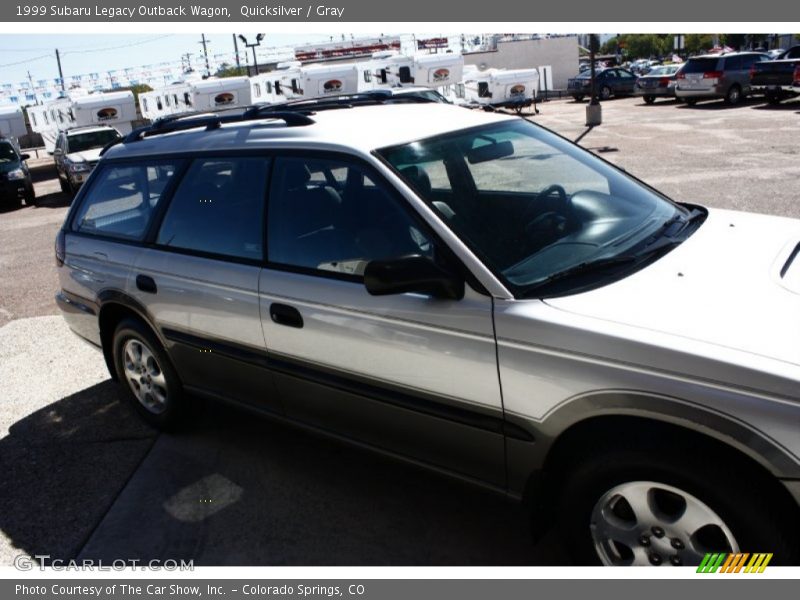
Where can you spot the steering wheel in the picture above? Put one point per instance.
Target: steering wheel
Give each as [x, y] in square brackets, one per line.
[553, 222]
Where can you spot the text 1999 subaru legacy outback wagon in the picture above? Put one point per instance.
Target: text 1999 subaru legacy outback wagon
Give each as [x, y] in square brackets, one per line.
[470, 292]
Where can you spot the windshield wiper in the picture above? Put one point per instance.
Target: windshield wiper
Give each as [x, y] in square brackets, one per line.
[584, 268]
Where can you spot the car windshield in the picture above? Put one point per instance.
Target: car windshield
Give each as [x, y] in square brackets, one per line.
[80, 142]
[7, 153]
[531, 204]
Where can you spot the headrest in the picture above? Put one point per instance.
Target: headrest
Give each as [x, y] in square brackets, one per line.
[295, 175]
[418, 178]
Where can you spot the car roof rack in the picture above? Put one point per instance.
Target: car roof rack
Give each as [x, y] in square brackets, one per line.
[295, 113]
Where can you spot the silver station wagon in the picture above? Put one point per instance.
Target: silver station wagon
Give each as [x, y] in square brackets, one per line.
[467, 291]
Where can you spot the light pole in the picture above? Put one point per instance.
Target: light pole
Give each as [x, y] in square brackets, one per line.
[253, 45]
[593, 111]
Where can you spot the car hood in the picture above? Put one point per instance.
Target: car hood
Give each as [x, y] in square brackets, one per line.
[735, 283]
[91, 155]
[5, 167]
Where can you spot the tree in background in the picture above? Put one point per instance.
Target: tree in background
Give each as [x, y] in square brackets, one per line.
[228, 70]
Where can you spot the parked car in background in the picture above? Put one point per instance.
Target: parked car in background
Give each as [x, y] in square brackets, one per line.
[658, 83]
[715, 76]
[776, 78]
[614, 81]
[15, 178]
[77, 151]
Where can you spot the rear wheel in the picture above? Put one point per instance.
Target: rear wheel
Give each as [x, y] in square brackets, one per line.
[637, 507]
[734, 95]
[605, 92]
[30, 196]
[691, 101]
[144, 369]
[578, 97]
[649, 99]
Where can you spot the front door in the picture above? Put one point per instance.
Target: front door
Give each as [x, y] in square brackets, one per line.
[408, 374]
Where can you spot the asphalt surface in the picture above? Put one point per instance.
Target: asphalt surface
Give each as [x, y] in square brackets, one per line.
[81, 476]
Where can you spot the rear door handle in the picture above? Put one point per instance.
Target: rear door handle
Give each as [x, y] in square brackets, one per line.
[283, 314]
[146, 284]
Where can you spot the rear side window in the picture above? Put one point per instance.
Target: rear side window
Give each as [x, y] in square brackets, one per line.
[218, 208]
[701, 65]
[123, 198]
[733, 63]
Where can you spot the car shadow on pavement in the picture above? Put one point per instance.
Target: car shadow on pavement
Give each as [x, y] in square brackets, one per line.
[62, 467]
[83, 478]
[786, 105]
[54, 200]
[238, 490]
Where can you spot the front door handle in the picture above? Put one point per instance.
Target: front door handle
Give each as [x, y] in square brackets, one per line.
[147, 284]
[282, 314]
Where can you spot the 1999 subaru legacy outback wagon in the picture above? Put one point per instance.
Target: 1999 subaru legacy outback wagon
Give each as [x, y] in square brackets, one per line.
[467, 291]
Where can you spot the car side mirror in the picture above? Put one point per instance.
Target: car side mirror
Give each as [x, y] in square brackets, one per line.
[57, 152]
[24, 156]
[412, 274]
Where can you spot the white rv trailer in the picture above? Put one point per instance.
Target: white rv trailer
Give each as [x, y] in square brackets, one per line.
[80, 109]
[502, 88]
[196, 95]
[279, 85]
[392, 69]
[12, 124]
[324, 80]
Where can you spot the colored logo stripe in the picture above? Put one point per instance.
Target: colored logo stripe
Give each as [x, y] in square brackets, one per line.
[733, 563]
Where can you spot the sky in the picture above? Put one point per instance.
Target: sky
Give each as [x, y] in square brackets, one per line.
[102, 52]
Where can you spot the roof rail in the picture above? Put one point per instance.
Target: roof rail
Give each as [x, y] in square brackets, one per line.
[212, 121]
[368, 98]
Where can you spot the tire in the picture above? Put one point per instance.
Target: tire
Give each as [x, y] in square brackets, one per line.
[734, 95]
[691, 101]
[160, 399]
[578, 97]
[605, 92]
[30, 196]
[746, 510]
[63, 184]
[649, 99]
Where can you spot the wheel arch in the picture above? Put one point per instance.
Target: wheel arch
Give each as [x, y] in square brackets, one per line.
[116, 305]
[624, 419]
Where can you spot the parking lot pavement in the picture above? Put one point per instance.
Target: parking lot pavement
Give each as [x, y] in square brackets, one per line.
[81, 476]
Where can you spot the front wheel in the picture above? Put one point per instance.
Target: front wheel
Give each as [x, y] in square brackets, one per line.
[773, 98]
[649, 99]
[578, 97]
[605, 92]
[628, 507]
[144, 369]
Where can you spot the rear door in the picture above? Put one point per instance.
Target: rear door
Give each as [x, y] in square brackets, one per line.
[407, 374]
[626, 81]
[199, 278]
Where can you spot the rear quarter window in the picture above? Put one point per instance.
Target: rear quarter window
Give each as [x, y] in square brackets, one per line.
[123, 198]
[701, 65]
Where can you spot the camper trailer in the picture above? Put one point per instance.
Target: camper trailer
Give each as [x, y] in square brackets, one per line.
[501, 88]
[324, 80]
[80, 109]
[392, 69]
[12, 124]
[196, 95]
[282, 84]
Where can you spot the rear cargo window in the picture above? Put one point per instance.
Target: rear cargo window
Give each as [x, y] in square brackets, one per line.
[122, 199]
[701, 65]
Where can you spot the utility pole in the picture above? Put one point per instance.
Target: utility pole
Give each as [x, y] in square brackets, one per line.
[205, 53]
[236, 52]
[33, 89]
[60, 72]
[186, 61]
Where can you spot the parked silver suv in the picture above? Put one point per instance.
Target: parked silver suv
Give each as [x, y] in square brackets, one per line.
[715, 76]
[466, 291]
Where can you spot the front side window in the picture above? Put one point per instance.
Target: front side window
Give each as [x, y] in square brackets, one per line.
[530, 203]
[218, 208]
[331, 216]
[7, 153]
[122, 199]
